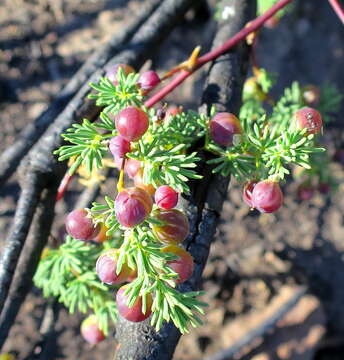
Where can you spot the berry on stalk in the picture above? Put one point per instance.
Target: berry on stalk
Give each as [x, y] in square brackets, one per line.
[80, 226]
[183, 266]
[112, 71]
[267, 196]
[148, 80]
[106, 268]
[310, 119]
[134, 313]
[165, 197]
[223, 127]
[247, 192]
[174, 228]
[119, 146]
[90, 330]
[132, 123]
[132, 206]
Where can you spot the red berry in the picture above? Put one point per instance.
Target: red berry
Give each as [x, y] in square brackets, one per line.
[132, 206]
[90, 330]
[138, 181]
[223, 127]
[165, 197]
[183, 266]
[119, 147]
[111, 73]
[80, 226]
[175, 226]
[131, 167]
[149, 80]
[305, 192]
[310, 119]
[106, 268]
[311, 95]
[247, 192]
[267, 196]
[132, 123]
[134, 313]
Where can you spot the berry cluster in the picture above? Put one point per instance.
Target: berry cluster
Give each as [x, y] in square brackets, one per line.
[131, 243]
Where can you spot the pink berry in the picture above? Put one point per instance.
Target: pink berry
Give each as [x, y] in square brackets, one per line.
[119, 146]
[132, 206]
[267, 196]
[134, 313]
[132, 123]
[310, 119]
[111, 72]
[183, 266]
[90, 330]
[247, 192]
[149, 80]
[80, 226]
[106, 268]
[223, 127]
[165, 197]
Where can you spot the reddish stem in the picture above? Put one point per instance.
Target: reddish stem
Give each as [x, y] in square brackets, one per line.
[63, 186]
[338, 9]
[214, 54]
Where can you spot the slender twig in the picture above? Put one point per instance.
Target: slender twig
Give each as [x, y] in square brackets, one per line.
[214, 54]
[337, 7]
[261, 329]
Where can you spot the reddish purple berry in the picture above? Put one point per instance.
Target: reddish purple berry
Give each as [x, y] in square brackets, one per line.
[148, 80]
[174, 228]
[165, 197]
[132, 206]
[90, 330]
[106, 268]
[267, 196]
[223, 127]
[111, 72]
[310, 119]
[80, 226]
[134, 313]
[247, 192]
[119, 147]
[132, 123]
[183, 266]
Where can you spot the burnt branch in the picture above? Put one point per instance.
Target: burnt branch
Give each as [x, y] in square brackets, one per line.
[138, 341]
[40, 167]
[11, 157]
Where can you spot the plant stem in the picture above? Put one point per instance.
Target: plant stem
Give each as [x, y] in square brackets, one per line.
[214, 54]
[338, 9]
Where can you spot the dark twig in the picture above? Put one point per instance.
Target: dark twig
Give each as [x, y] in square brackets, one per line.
[139, 340]
[38, 235]
[10, 158]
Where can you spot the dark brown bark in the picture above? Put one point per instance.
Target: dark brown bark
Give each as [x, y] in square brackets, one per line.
[139, 341]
